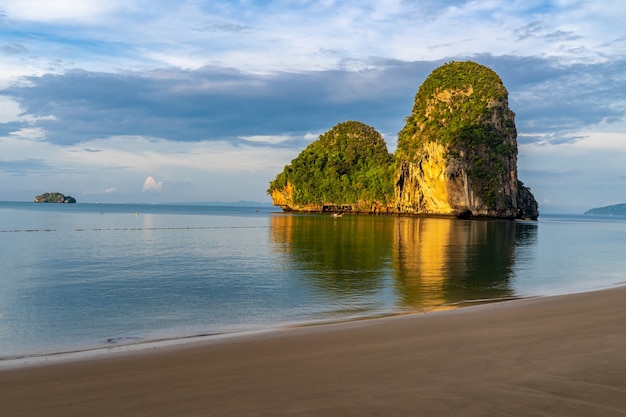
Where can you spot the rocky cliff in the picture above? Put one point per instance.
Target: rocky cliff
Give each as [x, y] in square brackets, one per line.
[457, 153]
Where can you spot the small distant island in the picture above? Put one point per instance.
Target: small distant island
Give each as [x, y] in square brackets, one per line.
[614, 210]
[54, 198]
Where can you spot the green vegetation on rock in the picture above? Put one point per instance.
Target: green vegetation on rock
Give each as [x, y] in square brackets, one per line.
[54, 198]
[348, 165]
[453, 97]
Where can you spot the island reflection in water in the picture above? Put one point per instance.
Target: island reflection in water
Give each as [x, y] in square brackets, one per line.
[406, 263]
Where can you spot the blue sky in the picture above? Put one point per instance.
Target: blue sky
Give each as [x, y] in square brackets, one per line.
[159, 101]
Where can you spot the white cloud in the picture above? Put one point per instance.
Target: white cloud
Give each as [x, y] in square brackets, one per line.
[29, 133]
[268, 139]
[150, 184]
[10, 111]
[191, 34]
[46, 10]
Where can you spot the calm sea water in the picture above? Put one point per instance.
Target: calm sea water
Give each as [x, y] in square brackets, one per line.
[84, 276]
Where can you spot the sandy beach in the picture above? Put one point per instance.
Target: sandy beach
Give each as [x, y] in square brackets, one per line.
[548, 356]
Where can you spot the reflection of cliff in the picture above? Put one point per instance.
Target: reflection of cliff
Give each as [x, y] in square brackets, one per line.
[439, 261]
[429, 261]
[420, 258]
[340, 257]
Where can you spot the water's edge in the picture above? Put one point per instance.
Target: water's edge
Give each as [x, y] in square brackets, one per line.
[140, 346]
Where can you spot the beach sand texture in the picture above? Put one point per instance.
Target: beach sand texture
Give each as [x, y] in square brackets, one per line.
[549, 356]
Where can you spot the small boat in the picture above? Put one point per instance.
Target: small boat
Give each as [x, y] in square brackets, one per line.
[337, 214]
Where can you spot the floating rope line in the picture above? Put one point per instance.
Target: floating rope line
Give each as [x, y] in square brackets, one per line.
[118, 229]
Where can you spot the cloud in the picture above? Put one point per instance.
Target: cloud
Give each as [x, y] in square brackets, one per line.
[215, 103]
[267, 139]
[24, 166]
[222, 27]
[29, 133]
[551, 100]
[150, 184]
[13, 49]
[64, 10]
[132, 34]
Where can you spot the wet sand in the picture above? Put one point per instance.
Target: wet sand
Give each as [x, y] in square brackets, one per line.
[549, 356]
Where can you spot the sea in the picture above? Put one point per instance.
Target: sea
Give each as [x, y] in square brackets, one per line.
[83, 277]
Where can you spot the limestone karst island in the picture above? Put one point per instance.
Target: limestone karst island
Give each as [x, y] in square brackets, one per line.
[456, 155]
[54, 198]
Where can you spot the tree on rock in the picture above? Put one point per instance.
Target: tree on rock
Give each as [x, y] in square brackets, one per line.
[347, 168]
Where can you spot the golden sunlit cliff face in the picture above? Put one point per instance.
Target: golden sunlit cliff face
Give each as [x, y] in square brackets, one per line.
[283, 197]
[457, 153]
[423, 187]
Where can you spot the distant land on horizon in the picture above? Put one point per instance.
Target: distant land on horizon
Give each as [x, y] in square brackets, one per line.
[613, 210]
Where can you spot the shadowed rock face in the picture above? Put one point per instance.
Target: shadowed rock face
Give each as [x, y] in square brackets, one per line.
[457, 153]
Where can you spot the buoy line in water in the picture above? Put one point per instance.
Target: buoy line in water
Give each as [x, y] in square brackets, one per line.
[103, 229]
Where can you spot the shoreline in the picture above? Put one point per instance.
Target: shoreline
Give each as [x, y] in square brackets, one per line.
[40, 359]
[554, 355]
[141, 345]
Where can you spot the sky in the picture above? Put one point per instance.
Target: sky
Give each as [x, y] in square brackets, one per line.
[158, 101]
